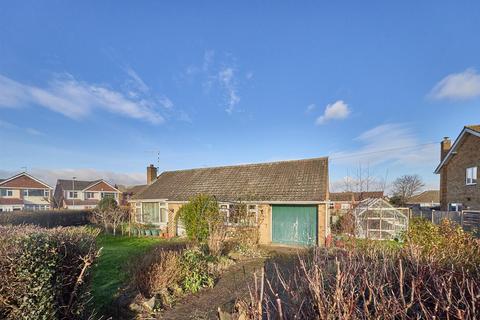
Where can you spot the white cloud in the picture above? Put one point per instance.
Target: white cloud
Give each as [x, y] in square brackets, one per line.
[337, 110]
[310, 108]
[226, 76]
[393, 142]
[11, 126]
[50, 176]
[76, 99]
[463, 85]
[136, 81]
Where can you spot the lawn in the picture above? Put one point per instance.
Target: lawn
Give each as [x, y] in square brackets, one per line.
[109, 274]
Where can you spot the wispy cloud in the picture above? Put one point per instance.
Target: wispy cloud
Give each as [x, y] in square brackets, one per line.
[50, 176]
[457, 86]
[219, 75]
[11, 126]
[76, 99]
[334, 111]
[226, 76]
[393, 142]
[310, 108]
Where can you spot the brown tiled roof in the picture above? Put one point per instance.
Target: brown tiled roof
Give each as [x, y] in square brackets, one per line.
[429, 196]
[341, 196]
[10, 201]
[79, 184]
[135, 189]
[474, 127]
[356, 196]
[295, 180]
[23, 180]
[78, 202]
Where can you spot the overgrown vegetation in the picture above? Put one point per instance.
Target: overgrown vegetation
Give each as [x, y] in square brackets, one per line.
[435, 274]
[45, 273]
[47, 219]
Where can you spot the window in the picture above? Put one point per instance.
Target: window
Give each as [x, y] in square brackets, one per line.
[331, 205]
[34, 193]
[73, 194]
[89, 195]
[471, 176]
[108, 194]
[6, 193]
[153, 213]
[345, 206]
[240, 214]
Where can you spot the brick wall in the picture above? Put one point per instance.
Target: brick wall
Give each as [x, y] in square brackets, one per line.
[453, 175]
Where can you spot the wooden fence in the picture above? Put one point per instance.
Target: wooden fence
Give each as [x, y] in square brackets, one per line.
[469, 220]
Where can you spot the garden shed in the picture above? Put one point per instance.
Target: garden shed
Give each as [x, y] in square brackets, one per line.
[379, 220]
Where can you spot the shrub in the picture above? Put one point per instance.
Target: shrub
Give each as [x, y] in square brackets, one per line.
[158, 270]
[198, 215]
[446, 243]
[46, 219]
[364, 284]
[196, 270]
[45, 273]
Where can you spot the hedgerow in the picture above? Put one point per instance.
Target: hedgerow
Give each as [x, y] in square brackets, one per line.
[45, 273]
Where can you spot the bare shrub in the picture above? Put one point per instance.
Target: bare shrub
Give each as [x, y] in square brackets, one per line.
[157, 271]
[435, 275]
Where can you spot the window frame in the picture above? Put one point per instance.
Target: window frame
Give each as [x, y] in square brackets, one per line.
[74, 193]
[471, 176]
[162, 205]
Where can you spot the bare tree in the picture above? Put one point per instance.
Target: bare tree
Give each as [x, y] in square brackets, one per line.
[406, 186]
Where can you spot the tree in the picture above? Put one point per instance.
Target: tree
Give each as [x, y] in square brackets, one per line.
[106, 212]
[406, 186]
[199, 216]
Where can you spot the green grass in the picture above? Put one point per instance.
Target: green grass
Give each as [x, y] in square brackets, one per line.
[110, 272]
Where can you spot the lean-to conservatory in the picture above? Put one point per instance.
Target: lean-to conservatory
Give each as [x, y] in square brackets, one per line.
[377, 219]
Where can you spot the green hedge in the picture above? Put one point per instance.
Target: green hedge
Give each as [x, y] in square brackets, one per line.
[45, 273]
[46, 219]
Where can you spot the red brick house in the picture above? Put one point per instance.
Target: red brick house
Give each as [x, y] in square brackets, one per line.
[78, 194]
[458, 171]
[24, 192]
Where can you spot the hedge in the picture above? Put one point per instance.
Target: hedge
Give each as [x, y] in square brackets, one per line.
[46, 219]
[45, 273]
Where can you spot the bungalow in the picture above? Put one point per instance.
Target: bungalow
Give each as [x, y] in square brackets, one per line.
[286, 200]
[458, 171]
[78, 194]
[24, 192]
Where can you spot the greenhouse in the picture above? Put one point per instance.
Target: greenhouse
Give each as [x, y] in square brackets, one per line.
[377, 219]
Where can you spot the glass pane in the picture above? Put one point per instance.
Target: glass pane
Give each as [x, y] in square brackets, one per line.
[150, 212]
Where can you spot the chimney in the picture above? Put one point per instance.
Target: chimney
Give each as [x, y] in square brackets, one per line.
[151, 174]
[445, 147]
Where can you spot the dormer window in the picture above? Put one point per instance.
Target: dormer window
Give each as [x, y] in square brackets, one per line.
[471, 176]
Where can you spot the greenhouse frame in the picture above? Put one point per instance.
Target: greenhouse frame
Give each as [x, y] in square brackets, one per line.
[379, 220]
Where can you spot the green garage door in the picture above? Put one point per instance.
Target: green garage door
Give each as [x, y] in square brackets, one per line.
[295, 225]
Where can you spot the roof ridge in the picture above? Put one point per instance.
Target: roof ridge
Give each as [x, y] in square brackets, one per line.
[249, 164]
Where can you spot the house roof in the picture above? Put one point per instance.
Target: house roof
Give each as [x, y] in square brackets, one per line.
[295, 180]
[354, 196]
[79, 185]
[134, 189]
[10, 201]
[470, 129]
[23, 180]
[429, 196]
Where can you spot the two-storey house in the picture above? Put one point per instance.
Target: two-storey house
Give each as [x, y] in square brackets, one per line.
[24, 192]
[78, 194]
[458, 171]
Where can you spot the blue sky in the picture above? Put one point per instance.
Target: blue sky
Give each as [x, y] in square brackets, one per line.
[97, 88]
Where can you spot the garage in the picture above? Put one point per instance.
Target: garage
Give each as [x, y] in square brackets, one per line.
[294, 224]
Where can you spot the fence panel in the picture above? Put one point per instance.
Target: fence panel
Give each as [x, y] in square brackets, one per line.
[469, 220]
